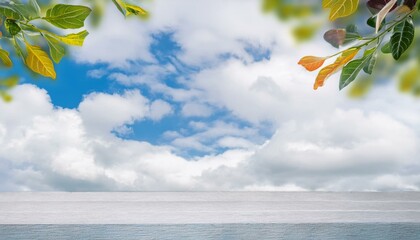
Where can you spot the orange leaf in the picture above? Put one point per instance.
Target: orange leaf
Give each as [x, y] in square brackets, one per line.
[312, 63]
[329, 70]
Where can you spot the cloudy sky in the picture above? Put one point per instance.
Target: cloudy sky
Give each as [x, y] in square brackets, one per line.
[206, 95]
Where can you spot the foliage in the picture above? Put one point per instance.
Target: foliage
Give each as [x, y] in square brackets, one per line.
[31, 30]
[393, 33]
[287, 10]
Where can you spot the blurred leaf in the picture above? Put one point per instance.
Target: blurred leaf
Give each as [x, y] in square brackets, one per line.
[34, 6]
[9, 13]
[402, 10]
[96, 15]
[304, 32]
[5, 58]
[9, 82]
[27, 10]
[409, 79]
[5, 85]
[360, 87]
[5, 96]
[269, 5]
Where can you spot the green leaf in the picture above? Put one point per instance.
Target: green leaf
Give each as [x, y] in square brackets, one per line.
[353, 68]
[28, 11]
[33, 4]
[387, 48]
[370, 65]
[67, 16]
[57, 51]
[371, 22]
[9, 13]
[5, 58]
[75, 39]
[12, 27]
[402, 38]
[18, 48]
[351, 34]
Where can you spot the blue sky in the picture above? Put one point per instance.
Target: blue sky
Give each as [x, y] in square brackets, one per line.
[202, 100]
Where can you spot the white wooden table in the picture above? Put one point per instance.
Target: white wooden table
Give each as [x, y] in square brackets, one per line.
[207, 207]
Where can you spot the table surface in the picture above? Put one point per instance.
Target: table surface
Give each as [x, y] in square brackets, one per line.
[208, 207]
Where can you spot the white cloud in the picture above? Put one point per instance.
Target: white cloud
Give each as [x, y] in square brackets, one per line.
[196, 110]
[159, 109]
[209, 137]
[234, 142]
[116, 41]
[54, 149]
[224, 27]
[97, 73]
[103, 112]
[63, 149]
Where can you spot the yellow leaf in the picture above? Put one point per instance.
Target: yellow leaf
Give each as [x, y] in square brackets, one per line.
[304, 32]
[361, 87]
[75, 39]
[327, 3]
[39, 61]
[312, 63]
[340, 8]
[5, 96]
[133, 9]
[329, 70]
[9, 82]
[5, 58]
[402, 10]
[409, 80]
